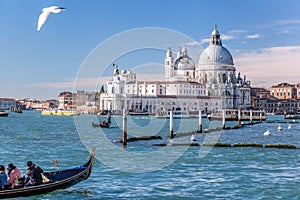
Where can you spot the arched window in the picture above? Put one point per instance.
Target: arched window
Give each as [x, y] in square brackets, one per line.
[224, 78]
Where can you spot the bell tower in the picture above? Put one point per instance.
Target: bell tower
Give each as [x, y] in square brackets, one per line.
[169, 67]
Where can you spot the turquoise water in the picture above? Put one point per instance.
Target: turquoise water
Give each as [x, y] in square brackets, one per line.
[165, 172]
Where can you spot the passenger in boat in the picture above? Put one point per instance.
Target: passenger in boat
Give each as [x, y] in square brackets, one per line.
[33, 173]
[13, 175]
[3, 178]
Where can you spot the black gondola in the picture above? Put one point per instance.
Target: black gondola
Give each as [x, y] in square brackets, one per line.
[102, 125]
[56, 181]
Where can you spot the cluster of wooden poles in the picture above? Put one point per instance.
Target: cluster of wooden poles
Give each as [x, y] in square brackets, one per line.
[172, 134]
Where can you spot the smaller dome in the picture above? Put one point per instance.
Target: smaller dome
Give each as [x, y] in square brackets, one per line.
[184, 63]
[169, 53]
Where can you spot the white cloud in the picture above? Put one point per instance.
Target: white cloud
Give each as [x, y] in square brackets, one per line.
[254, 36]
[205, 40]
[269, 66]
[284, 22]
[194, 43]
[237, 31]
[286, 31]
[227, 37]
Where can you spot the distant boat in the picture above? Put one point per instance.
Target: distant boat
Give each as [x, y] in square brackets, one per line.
[102, 125]
[60, 112]
[290, 126]
[267, 132]
[232, 115]
[138, 113]
[56, 180]
[3, 113]
[179, 114]
[292, 116]
[279, 128]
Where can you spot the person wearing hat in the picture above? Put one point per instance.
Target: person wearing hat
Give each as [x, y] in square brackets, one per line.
[13, 175]
[3, 178]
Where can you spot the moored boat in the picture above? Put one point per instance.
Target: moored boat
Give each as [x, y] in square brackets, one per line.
[178, 114]
[56, 180]
[139, 113]
[3, 113]
[60, 112]
[292, 116]
[232, 115]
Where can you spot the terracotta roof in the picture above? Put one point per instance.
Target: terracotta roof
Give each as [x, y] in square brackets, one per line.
[7, 99]
[283, 85]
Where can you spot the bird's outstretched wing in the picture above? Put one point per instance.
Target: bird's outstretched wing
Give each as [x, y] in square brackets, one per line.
[42, 19]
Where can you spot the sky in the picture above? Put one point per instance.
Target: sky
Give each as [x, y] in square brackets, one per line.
[262, 36]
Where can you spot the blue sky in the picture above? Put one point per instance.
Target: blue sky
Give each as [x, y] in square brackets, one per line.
[263, 37]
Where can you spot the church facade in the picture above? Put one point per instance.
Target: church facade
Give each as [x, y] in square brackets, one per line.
[211, 85]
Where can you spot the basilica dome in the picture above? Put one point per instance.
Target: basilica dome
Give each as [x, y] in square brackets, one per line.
[215, 53]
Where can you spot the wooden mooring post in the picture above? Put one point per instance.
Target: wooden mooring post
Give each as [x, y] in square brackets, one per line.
[260, 116]
[171, 125]
[251, 118]
[124, 129]
[200, 121]
[223, 118]
[239, 117]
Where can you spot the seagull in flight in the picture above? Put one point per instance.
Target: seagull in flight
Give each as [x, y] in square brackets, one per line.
[45, 13]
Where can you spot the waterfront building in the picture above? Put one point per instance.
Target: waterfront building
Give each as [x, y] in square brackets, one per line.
[284, 91]
[210, 86]
[298, 91]
[7, 103]
[67, 100]
[87, 102]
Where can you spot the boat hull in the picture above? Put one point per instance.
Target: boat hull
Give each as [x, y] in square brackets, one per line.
[3, 114]
[102, 126]
[58, 180]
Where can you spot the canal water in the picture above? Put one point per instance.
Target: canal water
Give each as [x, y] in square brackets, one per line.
[144, 171]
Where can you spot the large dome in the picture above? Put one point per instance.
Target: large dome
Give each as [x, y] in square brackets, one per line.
[184, 63]
[215, 54]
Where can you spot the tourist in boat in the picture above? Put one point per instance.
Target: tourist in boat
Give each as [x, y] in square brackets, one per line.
[102, 123]
[33, 173]
[3, 178]
[13, 175]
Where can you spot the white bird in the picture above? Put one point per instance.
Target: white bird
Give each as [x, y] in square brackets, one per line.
[289, 127]
[193, 138]
[267, 132]
[279, 128]
[45, 13]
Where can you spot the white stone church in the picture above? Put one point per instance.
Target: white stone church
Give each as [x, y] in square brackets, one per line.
[210, 86]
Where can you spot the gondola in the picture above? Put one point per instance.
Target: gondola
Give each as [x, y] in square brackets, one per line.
[56, 180]
[104, 125]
